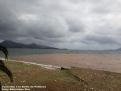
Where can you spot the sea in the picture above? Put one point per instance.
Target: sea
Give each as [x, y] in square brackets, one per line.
[14, 52]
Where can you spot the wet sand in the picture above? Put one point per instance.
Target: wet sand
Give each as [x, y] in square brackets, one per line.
[107, 62]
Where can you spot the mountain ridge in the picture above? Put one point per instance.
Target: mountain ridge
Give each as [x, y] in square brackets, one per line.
[12, 44]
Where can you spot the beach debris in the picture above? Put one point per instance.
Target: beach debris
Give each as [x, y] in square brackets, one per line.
[52, 67]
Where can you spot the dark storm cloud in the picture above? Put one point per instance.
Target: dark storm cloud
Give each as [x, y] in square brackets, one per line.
[101, 40]
[62, 23]
[75, 26]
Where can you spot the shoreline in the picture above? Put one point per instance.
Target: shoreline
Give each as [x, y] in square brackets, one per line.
[51, 67]
[106, 62]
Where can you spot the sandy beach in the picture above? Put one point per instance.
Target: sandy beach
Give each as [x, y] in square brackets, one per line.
[107, 62]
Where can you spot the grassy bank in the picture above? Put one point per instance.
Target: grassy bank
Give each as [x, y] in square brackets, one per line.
[74, 79]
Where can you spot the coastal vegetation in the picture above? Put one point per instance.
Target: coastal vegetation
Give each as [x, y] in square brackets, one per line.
[3, 67]
[74, 79]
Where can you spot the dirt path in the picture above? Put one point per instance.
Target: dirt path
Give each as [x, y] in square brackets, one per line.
[108, 62]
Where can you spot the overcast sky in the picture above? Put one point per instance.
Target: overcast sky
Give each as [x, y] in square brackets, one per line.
[74, 24]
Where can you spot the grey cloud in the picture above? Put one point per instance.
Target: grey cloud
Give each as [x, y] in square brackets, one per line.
[75, 26]
[101, 39]
[72, 24]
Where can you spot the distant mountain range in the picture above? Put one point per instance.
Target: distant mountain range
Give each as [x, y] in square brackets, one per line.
[11, 44]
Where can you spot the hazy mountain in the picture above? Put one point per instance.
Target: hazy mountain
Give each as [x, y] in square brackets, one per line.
[11, 44]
